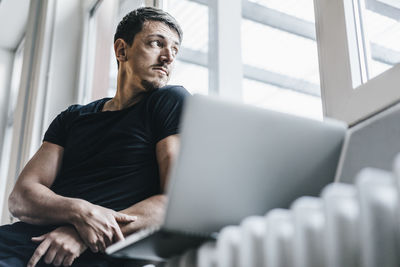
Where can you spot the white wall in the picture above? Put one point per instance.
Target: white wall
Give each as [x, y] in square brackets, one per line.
[6, 60]
[371, 143]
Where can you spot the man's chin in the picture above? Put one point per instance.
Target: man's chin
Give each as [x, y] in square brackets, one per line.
[153, 85]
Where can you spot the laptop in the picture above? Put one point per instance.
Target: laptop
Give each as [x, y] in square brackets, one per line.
[235, 161]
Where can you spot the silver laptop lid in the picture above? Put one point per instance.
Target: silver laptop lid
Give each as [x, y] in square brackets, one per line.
[237, 160]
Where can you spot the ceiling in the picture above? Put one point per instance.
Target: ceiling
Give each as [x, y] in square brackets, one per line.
[13, 18]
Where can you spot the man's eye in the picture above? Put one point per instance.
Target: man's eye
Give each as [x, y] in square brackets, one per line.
[175, 50]
[155, 43]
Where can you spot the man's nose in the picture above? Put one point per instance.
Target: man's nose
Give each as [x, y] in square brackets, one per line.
[166, 55]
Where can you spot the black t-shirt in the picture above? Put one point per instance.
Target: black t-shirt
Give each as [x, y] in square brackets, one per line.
[109, 157]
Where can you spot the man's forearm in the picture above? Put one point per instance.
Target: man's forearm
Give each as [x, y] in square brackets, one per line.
[36, 204]
[149, 212]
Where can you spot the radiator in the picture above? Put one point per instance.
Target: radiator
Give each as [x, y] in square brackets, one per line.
[347, 226]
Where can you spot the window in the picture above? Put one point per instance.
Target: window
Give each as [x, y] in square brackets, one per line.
[350, 93]
[96, 75]
[191, 67]
[124, 7]
[381, 34]
[280, 57]
[276, 45]
[282, 100]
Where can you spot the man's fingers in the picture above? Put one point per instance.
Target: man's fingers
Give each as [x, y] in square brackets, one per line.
[124, 218]
[68, 260]
[118, 234]
[39, 238]
[93, 248]
[58, 260]
[50, 254]
[39, 252]
[108, 238]
[101, 245]
[91, 242]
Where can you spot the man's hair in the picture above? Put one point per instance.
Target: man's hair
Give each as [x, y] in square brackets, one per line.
[133, 22]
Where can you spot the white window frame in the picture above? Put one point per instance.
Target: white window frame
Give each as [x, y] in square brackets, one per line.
[338, 55]
[94, 76]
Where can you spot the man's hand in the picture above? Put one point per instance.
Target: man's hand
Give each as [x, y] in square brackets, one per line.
[60, 247]
[98, 226]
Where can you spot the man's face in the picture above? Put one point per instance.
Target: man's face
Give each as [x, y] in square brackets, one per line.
[151, 57]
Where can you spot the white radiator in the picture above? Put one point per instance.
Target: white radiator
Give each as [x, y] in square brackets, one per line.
[347, 226]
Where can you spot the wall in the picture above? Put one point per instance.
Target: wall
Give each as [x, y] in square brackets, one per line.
[374, 143]
[6, 58]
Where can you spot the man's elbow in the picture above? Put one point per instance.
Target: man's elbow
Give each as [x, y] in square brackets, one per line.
[15, 204]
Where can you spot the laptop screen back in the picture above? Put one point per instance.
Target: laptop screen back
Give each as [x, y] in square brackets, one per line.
[237, 160]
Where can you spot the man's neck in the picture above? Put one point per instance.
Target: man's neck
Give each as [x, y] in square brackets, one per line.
[128, 94]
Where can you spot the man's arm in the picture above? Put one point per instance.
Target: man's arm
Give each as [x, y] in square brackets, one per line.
[151, 210]
[33, 202]
[31, 199]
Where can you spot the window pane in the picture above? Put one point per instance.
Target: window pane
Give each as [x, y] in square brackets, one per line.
[124, 7]
[282, 100]
[190, 70]
[281, 62]
[279, 51]
[382, 32]
[113, 74]
[193, 77]
[193, 18]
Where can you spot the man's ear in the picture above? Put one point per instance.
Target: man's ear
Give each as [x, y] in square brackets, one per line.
[120, 47]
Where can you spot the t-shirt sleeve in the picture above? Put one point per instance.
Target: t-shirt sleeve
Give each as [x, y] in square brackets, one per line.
[57, 131]
[167, 109]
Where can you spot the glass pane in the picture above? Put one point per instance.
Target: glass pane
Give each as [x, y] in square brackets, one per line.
[124, 7]
[193, 77]
[113, 74]
[279, 51]
[193, 18]
[303, 9]
[382, 32]
[282, 100]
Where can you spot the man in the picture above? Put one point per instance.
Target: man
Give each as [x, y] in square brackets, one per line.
[102, 168]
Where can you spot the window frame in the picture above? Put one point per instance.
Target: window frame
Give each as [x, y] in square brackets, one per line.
[337, 52]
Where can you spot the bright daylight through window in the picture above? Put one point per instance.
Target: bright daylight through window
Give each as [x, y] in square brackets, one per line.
[381, 19]
[191, 68]
[280, 56]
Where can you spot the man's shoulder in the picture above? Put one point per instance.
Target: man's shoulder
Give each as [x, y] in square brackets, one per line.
[88, 108]
[176, 92]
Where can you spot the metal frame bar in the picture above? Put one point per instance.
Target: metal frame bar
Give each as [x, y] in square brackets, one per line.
[382, 8]
[278, 20]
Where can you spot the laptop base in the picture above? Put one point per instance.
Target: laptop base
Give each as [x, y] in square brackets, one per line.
[160, 246]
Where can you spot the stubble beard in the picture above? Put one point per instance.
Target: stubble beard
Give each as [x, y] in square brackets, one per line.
[153, 85]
